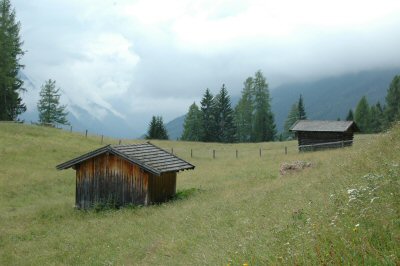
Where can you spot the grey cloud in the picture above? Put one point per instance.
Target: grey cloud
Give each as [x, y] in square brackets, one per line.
[56, 33]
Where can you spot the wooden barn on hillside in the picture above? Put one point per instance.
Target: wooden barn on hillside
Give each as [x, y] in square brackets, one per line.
[125, 174]
[316, 135]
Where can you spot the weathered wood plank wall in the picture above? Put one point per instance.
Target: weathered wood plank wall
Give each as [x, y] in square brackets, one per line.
[331, 138]
[109, 178]
[163, 187]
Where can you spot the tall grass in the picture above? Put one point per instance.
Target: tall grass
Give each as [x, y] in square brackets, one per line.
[343, 210]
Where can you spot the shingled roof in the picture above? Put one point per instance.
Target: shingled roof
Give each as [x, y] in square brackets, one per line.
[323, 126]
[146, 155]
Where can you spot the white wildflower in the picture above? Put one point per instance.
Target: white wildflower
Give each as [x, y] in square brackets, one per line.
[352, 191]
[374, 198]
[352, 198]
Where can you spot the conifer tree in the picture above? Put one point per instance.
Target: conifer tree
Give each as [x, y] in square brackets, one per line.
[223, 113]
[362, 115]
[157, 129]
[193, 125]
[392, 110]
[208, 119]
[301, 109]
[376, 118]
[10, 54]
[350, 116]
[292, 117]
[50, 110]
[264, 128]
[244, 112]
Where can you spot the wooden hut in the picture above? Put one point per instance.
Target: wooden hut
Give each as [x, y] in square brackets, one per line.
[316, 135]
[125, 174]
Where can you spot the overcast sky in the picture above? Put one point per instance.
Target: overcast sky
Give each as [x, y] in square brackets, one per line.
[142, 58]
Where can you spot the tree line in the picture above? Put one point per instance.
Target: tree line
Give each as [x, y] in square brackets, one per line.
[253, 121]
[377, 117]
[216, 121]
[11, 85]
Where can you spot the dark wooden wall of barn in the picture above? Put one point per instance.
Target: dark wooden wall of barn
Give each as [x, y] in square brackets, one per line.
[311, 138]
[109, 178]
[162, 188]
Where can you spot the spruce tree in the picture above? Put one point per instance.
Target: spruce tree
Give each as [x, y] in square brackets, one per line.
[10, 54]
[193, 125]
[301, 109]
[208, 119]
[362, 115]
[244, 112]
[223, 113]
[292, 117]
[350, 116]
[376, 118]
[392, 110]
[264, 128]
[157, 129]
[50, 110]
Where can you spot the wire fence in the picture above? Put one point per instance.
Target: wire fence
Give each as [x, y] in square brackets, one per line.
[202, 150]
[217, 150]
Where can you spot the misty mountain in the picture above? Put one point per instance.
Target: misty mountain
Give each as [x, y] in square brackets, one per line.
[80, 119]
[27, 81]
[175, 127]
[328, 98]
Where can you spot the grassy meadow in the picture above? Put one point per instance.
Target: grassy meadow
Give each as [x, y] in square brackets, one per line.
[345, 209]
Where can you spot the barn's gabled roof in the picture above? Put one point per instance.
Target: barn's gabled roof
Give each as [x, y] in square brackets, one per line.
[146, 155]
[324, 126]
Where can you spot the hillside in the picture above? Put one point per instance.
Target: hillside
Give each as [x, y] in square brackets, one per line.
[175, 127]
[342, 210]
[325, 99]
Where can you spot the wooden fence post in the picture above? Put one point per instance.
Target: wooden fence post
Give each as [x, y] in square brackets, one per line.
[236, 154]
[260, 152]
[172, 150]
[285, 150]
[86, 134]
[71, 129]
[191, 153]
[213, 154]
[101, 139]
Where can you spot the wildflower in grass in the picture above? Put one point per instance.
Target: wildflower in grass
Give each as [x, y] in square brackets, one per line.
[352, 194]
[374, 198]
[352, 191]
[355, 229]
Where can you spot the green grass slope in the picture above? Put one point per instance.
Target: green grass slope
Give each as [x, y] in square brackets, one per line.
[345, 209]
